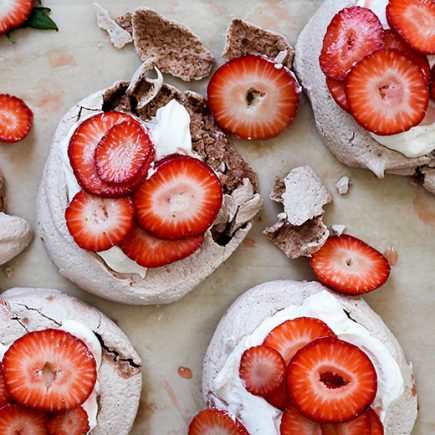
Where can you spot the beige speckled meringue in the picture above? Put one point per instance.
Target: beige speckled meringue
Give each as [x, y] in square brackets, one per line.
[264, 300]
[28, 309]
[347, 140]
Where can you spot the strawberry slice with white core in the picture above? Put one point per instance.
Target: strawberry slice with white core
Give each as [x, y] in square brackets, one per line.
[337, 90]
[19, 420]
[97, 224]
[181, 200]
[387, 93]
[215, 422]
[4, 395]
[357, 426]
[393, 41]
[353, 33]
[49, 370]
[376, 426]
[294, 423]
[414, 21]
[73, 422]
[348, 265]
[292, 335]
[81, 152]
[253, 98]
[13, 13]
[150, 251]
[122, 152]
[331, 381]
[15, 119]
[262, 369]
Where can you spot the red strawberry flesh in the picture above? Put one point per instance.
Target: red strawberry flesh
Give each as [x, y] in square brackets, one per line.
[15, 119]
[73, 422]
[294, 423]
[432, 83]
[19, 420]
[4, 395]
[337, 89]
[215, 422]
[353, 33]
[181, 200]
[331, 381]
[280, 397]
[348, 265]
[49, 370]
[253, 98]
[14, 13]
[97, 224]
[357, 426]
[376, 426]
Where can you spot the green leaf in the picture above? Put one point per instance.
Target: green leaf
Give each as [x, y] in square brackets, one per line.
[38, 2]
[39, 19]
[12, 36]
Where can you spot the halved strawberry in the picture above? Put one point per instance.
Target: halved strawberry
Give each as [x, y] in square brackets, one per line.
[262, 369]
[353, 33]
[414, 21]
[376, 426]
[73, 422]
[387, 92]
[348, 265]
[280, 397]
[215, 422]
[49, 370]
[181, 200]
[150, 251]
[19, 420]
[15, 119]
[294, 423]
[13, 13]
[292, 335]
[331, 381]
[97, 224]
[81, 153]
[4, 395]
[122, 152]
[393, 41]
[357, 426]
[337, 90]
[252, 98]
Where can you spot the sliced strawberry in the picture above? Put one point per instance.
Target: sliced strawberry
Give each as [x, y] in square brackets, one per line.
[73, 422]
[18, 420]
[337, 90]
[81, 151]
[387, 93]
[294, 423]
[15, 119]
[349, 265]
[414, 21]
[262, 369]
[181, 200]
[14, 13]
[292, 335]
[352, 34]
[97, 224]
[215, 422]
[49, 370]
[150, 251]
[280, 397]
[4, 395]
[331, 381]
[122, 152]
[252, 98]
[357, 426]
[376, 426]
[432, 83]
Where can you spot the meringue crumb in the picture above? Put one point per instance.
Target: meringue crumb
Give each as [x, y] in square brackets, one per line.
[338, 229]
[8, 271]
[99, 45]
[391, 255]
[342, 185]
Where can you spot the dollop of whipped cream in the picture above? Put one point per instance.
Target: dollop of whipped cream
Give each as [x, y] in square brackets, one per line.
[260, 417]
[170, 133]
[419, 140]
[85, 334]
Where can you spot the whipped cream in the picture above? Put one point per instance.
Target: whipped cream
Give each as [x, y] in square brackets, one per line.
[85, 334]
[170, 133]
[260, 417]
[419, 140]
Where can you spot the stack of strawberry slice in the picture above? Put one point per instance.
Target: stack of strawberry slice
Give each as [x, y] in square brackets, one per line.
[381, 77]
[45, 377]
[156, 220]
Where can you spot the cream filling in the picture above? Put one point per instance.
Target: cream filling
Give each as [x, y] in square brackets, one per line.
[258, 416]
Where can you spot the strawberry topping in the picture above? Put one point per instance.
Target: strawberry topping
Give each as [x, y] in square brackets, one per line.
[73, 422]
[49, 370]
[280, 397]
[337, 89]
[4, 395]
[18, 420]
[181, 200]
[357, 426]
[215, 422]
[352, 34]
[253, 98]
[376, 426]
[15, 119]
[14, 13]
[294, 423]
[432, 83]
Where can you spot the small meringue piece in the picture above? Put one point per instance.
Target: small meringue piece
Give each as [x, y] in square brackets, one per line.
[342, 185]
